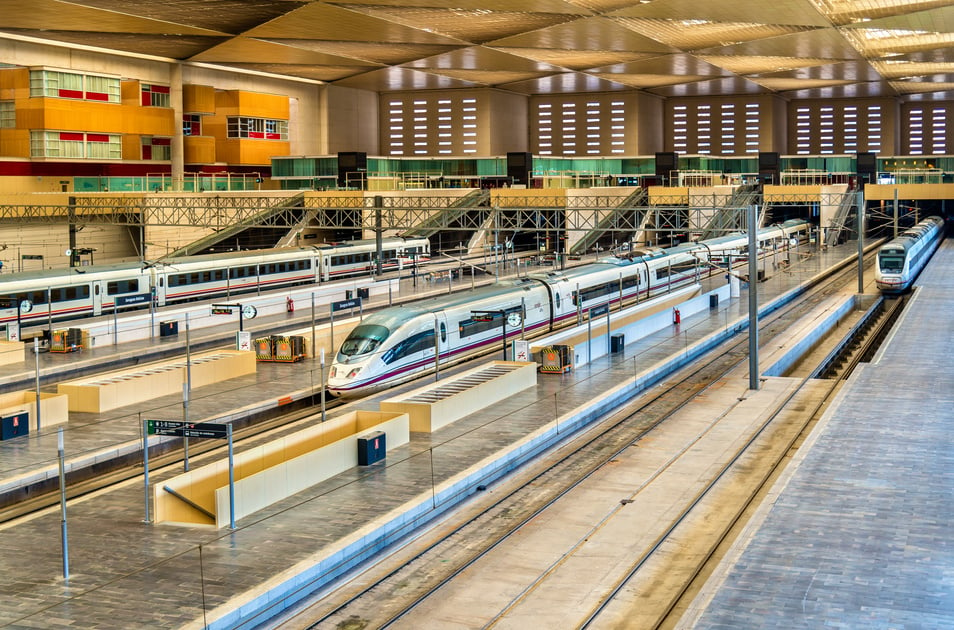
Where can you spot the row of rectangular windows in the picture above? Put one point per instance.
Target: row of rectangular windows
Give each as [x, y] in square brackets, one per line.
[257, 128]
[247, 271]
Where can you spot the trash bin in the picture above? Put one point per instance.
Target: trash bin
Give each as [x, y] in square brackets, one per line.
[14, 425]
[371, 448]
[713, 300]
[168, 329]
[364, 293]
[617, 343]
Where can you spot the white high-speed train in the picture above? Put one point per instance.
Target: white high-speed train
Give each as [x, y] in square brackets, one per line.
[56, 294]
[398, 343]
[901, 260]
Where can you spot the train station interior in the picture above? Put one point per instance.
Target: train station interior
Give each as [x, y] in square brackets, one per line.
[392, 153]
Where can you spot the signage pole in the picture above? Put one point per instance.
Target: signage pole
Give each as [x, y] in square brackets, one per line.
[503, 320]
[145, 464]
[186, 392]
[115, 324]
[314, 343]
[609, 330]
[36, 354]
[861, 242]
[63, 537]
[331, 326]
[753, 300]
[231, 481]
[322, 384]
[589, 340]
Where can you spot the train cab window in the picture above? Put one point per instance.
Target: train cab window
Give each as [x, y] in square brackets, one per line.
[891, 264]
[363, 339]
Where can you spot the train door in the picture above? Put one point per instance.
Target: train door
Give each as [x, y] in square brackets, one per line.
[440, 328]
[99, 288]
[158, 282]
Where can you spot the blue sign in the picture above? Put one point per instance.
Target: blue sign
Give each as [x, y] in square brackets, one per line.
[128, 300]
[596, 311]
[345, 304]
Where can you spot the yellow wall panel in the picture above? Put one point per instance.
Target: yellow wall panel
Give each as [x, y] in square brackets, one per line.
[199, 149]
[14, 83]
[130, 92]
[132, 147]
[242, 103]
[198, 99]
[70, 115]
[249, 152]
[15, 143]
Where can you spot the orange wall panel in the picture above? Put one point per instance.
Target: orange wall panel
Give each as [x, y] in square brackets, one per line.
[56, 113]
[198, 99]
[132, 147]
[249, 152]
[199, 149]
[15, 143]
[242, 103]
[14, 83]
[130, 92]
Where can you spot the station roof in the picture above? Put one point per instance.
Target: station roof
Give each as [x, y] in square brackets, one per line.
[796, 48]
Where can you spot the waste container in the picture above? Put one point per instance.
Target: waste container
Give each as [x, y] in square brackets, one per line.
[364, 293]
[617, 342]
[14, 425]
[168, 329]
[713, 300]
[371, 448]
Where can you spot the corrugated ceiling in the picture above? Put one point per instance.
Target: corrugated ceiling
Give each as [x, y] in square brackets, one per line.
[799, 48]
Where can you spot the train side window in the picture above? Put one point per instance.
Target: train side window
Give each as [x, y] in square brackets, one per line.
[415, 343]
[556, 297]
[443, 332]
[96, 289]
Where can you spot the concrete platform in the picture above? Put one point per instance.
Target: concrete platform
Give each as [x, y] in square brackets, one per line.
[129, 573]
[857, 533]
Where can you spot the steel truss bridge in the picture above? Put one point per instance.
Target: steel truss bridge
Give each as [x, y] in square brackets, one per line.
[389, 212]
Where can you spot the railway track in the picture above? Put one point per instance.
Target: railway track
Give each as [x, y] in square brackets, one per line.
[463, 558]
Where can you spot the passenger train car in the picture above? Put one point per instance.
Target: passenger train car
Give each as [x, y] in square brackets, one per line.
[72, 292]
[900, 261]
[397, 344]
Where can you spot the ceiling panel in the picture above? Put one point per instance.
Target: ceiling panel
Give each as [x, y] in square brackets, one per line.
[822, 48]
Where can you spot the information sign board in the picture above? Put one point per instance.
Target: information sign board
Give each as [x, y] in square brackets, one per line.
[345, 304]
[187, 429]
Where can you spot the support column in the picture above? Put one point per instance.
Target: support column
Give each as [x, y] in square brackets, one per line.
[177, 145]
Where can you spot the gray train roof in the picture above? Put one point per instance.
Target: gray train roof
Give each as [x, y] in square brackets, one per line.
[394, 316]
[56, 273]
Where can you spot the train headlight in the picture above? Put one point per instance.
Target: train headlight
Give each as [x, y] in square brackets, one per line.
[354, 372]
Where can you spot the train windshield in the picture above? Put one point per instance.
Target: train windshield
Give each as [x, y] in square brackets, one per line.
[891, 263]
[364, 339]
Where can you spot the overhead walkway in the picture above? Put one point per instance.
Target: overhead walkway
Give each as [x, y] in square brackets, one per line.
[449, 217]
[624, 218]
[729, 219]
[836, 230]
[252, 233]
